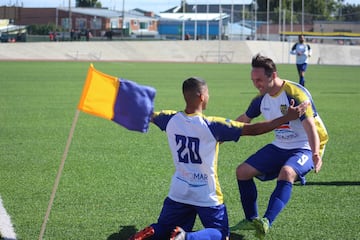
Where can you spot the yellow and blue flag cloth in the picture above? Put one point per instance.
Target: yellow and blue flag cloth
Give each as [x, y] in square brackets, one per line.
[122, 101]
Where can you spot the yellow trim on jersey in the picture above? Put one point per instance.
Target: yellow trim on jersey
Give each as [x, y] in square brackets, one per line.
[218, 191]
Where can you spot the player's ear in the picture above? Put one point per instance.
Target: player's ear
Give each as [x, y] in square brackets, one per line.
[274, 75]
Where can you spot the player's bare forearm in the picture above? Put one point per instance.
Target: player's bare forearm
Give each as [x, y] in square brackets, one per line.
[293, 113]
[314, 142]
[243, 118]
[262, 127]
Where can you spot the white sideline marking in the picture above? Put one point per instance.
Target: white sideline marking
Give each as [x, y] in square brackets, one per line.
[6, 228]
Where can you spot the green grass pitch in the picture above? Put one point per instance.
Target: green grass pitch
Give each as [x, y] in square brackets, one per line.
[114, 180]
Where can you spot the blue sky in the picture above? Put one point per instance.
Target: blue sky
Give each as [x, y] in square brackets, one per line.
[152, 5]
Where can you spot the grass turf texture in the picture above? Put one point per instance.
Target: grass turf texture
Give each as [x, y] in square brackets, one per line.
[114, 180]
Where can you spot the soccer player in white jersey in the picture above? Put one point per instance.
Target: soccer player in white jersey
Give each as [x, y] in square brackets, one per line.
[302, 51]
[194, 141]
[297, 149]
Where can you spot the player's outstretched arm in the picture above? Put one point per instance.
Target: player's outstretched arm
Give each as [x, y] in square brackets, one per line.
[267, 126]
[314, 141]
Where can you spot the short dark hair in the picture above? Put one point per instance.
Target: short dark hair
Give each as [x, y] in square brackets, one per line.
[193, 86]
[268, 64]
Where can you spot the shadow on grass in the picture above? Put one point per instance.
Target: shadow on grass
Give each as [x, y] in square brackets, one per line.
[332, 183]
[235, 236]
[126, 231]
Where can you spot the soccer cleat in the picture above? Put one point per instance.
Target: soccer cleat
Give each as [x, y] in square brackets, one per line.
[262, 226]
[178, 234]
[243, 225]
[143, 234]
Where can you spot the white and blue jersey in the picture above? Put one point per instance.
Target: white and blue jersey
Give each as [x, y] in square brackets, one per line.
[290, 146]
[292, 134]
[302, 51]
[194, 143]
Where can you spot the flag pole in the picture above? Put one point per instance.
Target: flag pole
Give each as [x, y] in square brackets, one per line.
[58, 176]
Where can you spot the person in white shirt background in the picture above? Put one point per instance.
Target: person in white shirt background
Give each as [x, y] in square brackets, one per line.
[302, 51]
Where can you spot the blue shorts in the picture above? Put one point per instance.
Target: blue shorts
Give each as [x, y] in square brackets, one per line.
[179, 214]
[270, 159]
[301, 67]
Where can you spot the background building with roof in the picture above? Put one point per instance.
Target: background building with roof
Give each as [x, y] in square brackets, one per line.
[98, 21]
[193, 26]
[184, 21]
[204, 21]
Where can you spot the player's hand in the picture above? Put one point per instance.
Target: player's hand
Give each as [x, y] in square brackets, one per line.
[317, 162]
[302, 107]
[295, 112]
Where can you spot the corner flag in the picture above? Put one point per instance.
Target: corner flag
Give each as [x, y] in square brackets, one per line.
[125, 102]
[122, 101]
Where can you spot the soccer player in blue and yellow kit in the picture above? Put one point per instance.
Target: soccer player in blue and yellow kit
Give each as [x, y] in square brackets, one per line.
[194, 141]
[297, 149]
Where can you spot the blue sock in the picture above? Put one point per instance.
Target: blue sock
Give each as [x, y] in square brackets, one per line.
[248, 196]
[302, 81]
[205, 234]
[279, 198]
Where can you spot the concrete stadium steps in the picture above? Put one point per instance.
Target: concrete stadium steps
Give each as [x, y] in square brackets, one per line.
[175, 51]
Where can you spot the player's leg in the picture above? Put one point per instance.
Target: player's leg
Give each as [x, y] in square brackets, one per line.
[247, 189]
[302, 78]
[248, 197]
[302, 71]
[278, 200]
[282, 192]
[263, 165]
[172, 214]
[205, 234]
[268, 162]
[215, 221]
[299, 163]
